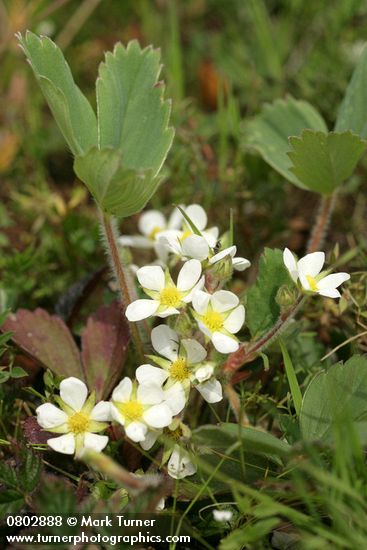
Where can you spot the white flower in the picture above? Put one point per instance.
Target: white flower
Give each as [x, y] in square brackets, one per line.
[183, 364]
[78, 419]
[308, 271]
[142, 407]
[166, 297]
[219, 317]
[179, 464]
[238, 263]
[151, 224]
[222, 515]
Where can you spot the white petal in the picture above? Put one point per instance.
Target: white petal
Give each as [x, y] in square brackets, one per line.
[151, 277]
[101, 412]
[150, 394]
[311, 264]
[123, 391]
[73, 392]
[196, 247]
[175, 398]
[147, 374]
[171, 240]
[165, 341]
[240, 264]
[162, 251]
[167, 312]
[194, 350]
[180, 465]
[158, 416]
[230, 251]
[224, 343]
[330, 293]
[135, 241]
[211, 390]
[136, 431]
[49, 416]
[332, 281]
[175, 219]
[189, 275]
[64, 444]
[222, 515]
[203, 373]
[116, 415]
[199, 286]
[200, 301]
[151, 220]
[141, 309]
[197, 215]
[223, 300]
[211, 236]
[150, 438]
[235, 320]
[95, 441]
[290, 263]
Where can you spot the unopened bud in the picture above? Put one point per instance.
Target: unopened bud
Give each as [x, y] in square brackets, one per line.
[286, 296]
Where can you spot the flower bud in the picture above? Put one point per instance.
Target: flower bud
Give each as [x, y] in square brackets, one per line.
[286, 296]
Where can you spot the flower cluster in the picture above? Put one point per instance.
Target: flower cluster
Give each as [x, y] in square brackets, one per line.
[201, 317]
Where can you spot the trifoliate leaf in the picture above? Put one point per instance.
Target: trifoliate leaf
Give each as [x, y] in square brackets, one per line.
[117, 190]
[353, 109]
[71, 109]
[336, 395]
[268, 133]
[323, 161]
[132, 115]
[262, 309]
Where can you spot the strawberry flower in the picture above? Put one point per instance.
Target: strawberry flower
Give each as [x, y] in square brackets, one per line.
[308, 271]
[167, 298]
[78, 419]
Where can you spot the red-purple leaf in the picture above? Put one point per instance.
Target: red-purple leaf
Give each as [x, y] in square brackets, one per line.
[104, 347]
[47, 339]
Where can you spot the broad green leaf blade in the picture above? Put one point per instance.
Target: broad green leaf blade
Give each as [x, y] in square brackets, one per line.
[323, 161]
[336, 395]
[132, 115]
[262, 310]
[117, 190]
[353, 109]
[268, 133]
[71, 109]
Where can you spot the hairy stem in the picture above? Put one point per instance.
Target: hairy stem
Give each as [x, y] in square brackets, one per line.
[246, 354]
[121, 279]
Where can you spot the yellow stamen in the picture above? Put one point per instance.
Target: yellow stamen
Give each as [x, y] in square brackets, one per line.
[154, 232]
[170, 297]
[213, 320]
[185, 234]
[312, 282]
[173, 434]
[179, 370]
[131, 410]
[78, 423]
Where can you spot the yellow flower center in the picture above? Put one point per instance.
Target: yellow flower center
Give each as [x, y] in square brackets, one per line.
[131, 410]
[185, 234]
[170, 297]
[78, 423]
[213, 320]
[179, 370]
[154, 232]
[312, 282]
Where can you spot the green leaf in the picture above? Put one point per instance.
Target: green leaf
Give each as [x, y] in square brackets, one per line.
[323, 161]
[71, 109]
[333, 396]
[30, 470]
[8, 475]
[132, 115]
[262, 309]
[18, 372]
[10, 502]
[292, 378]
[117, 190]
[254, 441]
[268, 133]
[249, 533]
[353, 109]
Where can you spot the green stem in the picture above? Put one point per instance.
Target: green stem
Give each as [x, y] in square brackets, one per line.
[121, 279]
